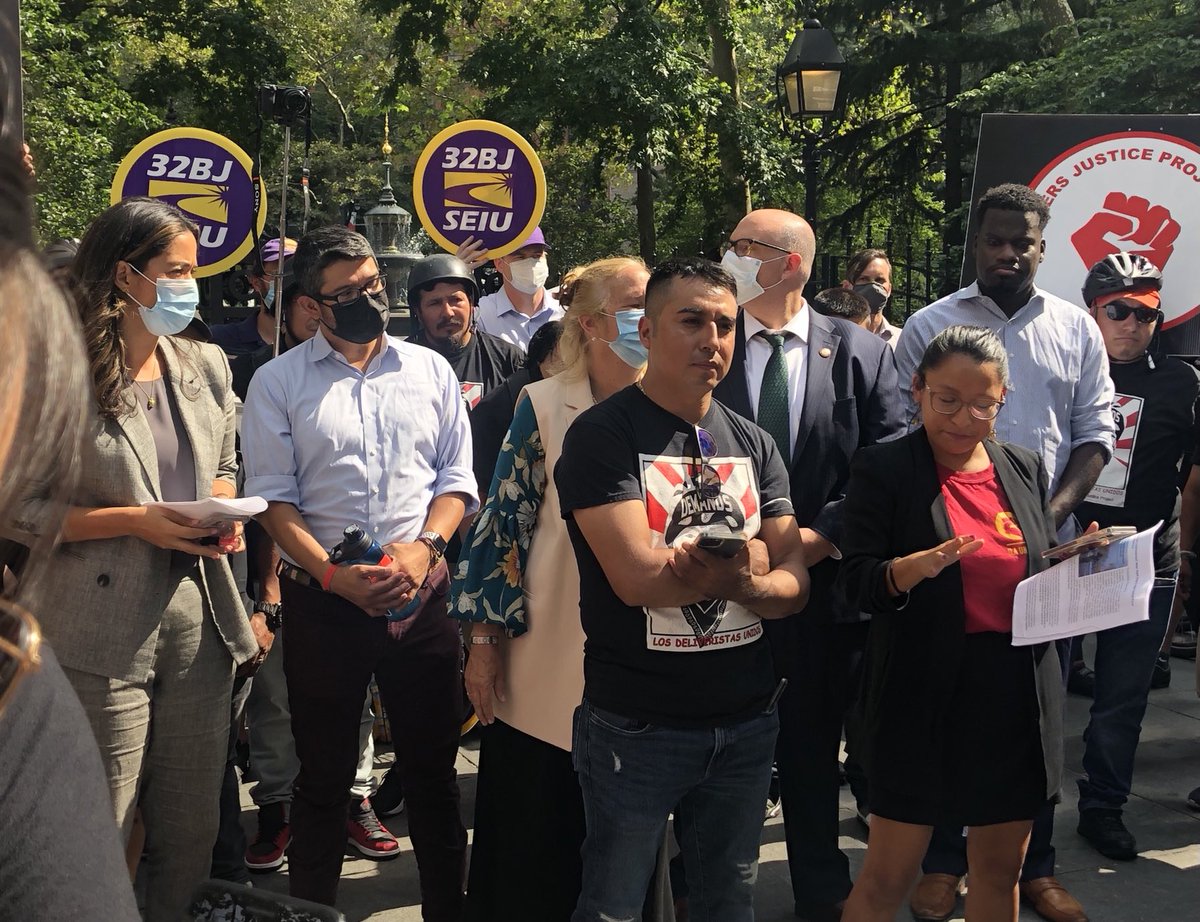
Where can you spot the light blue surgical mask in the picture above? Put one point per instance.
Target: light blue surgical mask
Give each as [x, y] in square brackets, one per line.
[174, 307]
[269, 297]
[628, 345]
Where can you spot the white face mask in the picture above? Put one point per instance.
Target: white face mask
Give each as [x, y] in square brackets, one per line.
[528, 275]
[744, 270]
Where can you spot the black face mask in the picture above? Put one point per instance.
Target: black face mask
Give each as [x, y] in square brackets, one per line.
[875, 295]
[362, 320]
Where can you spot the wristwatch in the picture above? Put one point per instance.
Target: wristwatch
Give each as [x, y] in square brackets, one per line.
[274, 613]
[436, 544]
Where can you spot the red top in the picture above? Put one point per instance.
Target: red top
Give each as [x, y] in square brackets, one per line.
[977, 506]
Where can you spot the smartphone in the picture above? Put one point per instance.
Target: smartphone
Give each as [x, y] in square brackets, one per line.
[1083, 542]
[721, 546]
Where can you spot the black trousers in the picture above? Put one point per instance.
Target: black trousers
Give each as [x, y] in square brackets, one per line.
[529, 827]
[822, 663]
[333, 648]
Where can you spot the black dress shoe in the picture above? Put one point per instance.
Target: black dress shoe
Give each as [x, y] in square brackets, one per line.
[1107, 834]
[1081, 680]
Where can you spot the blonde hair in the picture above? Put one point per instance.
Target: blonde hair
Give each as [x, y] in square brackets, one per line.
[584, 292]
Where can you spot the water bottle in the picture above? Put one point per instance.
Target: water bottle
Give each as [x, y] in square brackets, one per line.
[358, 547]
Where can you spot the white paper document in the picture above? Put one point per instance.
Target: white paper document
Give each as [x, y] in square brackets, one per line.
[1098, 589]
[208, 512]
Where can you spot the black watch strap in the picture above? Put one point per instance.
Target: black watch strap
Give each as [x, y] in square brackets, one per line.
[274, 613]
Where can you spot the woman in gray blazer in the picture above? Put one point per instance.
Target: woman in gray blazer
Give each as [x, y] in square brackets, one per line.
[142, 609]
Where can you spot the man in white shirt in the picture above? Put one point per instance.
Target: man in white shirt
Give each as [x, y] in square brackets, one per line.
[522, 306]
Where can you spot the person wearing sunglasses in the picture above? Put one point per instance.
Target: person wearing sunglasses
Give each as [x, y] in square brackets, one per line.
[959, 726]
[1158, 427]
[680, 693]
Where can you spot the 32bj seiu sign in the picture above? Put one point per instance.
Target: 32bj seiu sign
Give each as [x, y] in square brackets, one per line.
[479, 179]
[1114, 183]
[210, 179]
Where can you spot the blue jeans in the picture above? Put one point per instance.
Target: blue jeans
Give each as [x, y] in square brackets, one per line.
[1124, 664]
[634, 774]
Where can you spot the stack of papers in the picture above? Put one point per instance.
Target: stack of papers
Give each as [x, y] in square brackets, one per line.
[215, 509]
[1098, 589]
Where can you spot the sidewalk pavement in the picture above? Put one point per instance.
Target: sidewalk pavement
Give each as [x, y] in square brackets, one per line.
[1162, 885]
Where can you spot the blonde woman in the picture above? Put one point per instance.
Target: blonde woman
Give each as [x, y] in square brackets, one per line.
[519, 586]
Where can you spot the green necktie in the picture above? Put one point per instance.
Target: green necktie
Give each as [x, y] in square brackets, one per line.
[774, 408]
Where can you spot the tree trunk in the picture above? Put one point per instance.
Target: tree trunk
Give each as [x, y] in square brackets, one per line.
[724, 67]
[1060, 23]
[952, 133]
[647, 241]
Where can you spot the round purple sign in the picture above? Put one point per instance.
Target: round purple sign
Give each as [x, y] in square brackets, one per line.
[210, 179]
[479, 179]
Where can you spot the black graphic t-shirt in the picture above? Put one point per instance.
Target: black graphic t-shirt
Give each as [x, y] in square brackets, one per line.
[696, 666]
[481, 365]
[1157, 431]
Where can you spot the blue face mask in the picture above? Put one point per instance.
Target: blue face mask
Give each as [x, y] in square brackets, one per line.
[269, 298]
[628, 345]
[174, 307]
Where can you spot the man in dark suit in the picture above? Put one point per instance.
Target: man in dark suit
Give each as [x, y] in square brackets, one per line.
[822, 388]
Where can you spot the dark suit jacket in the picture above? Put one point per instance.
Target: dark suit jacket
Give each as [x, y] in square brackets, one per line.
[851, 399]
[913, 653]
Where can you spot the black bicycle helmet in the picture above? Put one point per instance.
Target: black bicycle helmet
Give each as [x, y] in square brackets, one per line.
[441, 267]
[1120, 273]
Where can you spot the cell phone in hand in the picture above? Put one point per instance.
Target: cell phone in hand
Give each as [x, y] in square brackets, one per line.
[722, 546]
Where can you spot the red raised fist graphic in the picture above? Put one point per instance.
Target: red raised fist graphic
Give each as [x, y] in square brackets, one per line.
[1127, 219]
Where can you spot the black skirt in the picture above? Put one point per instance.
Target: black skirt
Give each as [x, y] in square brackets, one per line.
[993, 769]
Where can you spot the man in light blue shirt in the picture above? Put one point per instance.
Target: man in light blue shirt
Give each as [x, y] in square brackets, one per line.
[355, 427]
[1059, 404]
[522, 306]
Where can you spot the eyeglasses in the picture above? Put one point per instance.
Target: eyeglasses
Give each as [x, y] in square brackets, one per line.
[351, 294]
[704, 476]
[741, 247]
[20, 643]
[1119, 310]
[948, 405]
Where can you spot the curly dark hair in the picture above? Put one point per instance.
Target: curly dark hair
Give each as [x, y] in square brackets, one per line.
[135, 230]
[1012, 196]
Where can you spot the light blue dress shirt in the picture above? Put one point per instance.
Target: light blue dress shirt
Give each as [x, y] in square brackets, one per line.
[346, 447]
[1059, 393]
[495, 314]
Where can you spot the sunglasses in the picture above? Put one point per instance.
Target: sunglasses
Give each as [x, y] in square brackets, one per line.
[1118, 310]
[704, 476]
[20, 643]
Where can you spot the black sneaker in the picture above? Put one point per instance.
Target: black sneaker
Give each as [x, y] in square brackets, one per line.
[1081, 680]
[1107, 834]
[389, 799]
[269, 847]
[1161, 677]
[1193, 799]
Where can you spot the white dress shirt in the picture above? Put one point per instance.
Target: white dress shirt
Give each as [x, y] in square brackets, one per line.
[372, 448]
[495, 314]
[795, 353]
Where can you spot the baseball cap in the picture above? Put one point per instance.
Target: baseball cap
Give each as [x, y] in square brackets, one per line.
[269, 251]
[537, 238]
[1147, 298]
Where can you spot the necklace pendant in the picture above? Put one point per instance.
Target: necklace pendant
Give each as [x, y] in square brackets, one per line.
[150, 402]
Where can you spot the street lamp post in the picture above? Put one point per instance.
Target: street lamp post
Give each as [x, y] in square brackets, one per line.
[807, 85]
[387, 227]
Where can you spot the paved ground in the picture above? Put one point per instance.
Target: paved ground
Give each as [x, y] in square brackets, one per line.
[1163, 885]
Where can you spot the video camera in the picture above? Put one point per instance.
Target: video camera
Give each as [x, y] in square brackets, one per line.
[289, 106]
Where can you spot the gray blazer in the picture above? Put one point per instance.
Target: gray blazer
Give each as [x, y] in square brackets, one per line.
[100, 602]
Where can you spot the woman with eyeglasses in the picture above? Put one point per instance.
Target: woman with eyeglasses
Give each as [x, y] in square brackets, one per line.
[143, 610]
[960, 727]
[524, 674]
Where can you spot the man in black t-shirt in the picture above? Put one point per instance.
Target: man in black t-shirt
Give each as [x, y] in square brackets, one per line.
[679, 697]
[1156, 410]
[442, 294]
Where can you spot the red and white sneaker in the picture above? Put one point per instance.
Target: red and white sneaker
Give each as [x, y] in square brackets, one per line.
[367, 834]
[267, 851]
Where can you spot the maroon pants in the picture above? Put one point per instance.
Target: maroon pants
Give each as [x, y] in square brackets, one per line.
[333, 648]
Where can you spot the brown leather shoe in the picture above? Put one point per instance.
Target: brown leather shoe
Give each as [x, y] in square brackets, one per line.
[1051, 901]
[935, 898]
